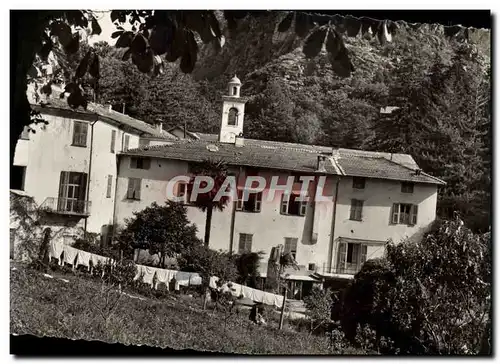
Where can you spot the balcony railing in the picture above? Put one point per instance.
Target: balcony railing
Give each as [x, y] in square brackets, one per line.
[66, 206]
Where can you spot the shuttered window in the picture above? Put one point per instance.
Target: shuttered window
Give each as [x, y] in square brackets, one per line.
[291, 246]
[126, 141]
[109, 186]
[356, 210]
[290, 205]
[253, 203]
[245, 244]
[407, 187]
[72, 191]
[140, 163]
[113, 141]
[134, 189]
[404, 214]
[80, 130]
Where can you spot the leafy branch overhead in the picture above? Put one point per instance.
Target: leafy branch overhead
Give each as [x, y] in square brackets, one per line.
[161, 35]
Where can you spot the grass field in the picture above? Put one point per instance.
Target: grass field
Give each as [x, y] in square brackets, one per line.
[77, 308]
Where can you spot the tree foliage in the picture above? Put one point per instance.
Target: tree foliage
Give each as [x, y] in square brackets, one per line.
[248, 268]
[430, 297]
[163, 230]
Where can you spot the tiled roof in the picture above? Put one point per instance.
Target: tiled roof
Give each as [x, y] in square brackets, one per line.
[292, 157]
[56, 103]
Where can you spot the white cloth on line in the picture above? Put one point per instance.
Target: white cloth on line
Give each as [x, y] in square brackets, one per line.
[164, 276]
[278, 300]
[258, 296]
[247, 292]
[55, 250]
[83, 258]
[147, 274]
[95, 259]
[213, 282]
[70, 254]
[269, 298]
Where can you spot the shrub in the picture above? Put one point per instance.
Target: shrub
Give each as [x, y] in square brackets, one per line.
[319, 307]
[430, 297]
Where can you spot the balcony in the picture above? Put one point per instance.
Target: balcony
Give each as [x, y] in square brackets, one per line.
[66, 206]
[348, 269]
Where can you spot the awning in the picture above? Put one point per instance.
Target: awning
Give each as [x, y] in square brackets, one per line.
[362, 241]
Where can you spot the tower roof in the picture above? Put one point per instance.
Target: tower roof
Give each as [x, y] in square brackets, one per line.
[235, 80]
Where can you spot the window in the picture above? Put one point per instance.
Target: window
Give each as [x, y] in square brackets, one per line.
[351, 257]
[356, 210]
[25, 135]
[291, 206]
[407, 187]
[232, 118]
[80, 133]
[252, 204]
[404, 214]
[110, 183]
[126, 141]
[144, 143]
[72, 192]
[113, 141]
[291, 246]
[140, 163]
[134, 189]
[358, 183]
[235, 91]
[17, 177]
[245, 245]
[182, 191]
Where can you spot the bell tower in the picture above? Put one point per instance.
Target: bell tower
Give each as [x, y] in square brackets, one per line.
[233, 111]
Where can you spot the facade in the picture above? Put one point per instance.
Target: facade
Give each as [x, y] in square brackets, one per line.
[373, 197]
[69, 165]
[98, 167]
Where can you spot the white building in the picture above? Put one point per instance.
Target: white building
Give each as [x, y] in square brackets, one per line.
[97, 167]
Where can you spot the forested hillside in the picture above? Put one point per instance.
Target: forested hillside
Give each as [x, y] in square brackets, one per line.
[438, 77]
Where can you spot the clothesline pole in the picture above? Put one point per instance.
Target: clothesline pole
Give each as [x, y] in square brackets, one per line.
[282, 315]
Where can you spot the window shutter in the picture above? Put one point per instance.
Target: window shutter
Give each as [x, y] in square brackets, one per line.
[355, 253]
[303, 207]
[110, 182]
[83, 135]
[126, 142]
[258, 201]
[76, 132]
[130, 189]
[83, 186]
[239, 201]
[353, 210]
[113, 141]
[414, 213]
[138, 189]
[342, 255]
[63, 190]
[284, 203]
[248, 246]
[241, 245]
[360, 210]
[364, 249]
[395, 213]
[146, 163]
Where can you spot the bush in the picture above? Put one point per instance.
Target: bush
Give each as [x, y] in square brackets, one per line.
[319, 307]
[430, 297]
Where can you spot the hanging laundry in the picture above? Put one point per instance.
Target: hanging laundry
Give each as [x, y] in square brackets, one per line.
[269, 298]
[83, 258]
[278, 300]
[164, 276]
[70, 254]
[55, 250]
[258, 295]
[247, 292]
[95, 259]
[149, 273]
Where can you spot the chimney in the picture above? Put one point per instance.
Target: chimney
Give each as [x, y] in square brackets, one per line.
[417, 172]
[159, 126]
[321, 163]
[239, 141]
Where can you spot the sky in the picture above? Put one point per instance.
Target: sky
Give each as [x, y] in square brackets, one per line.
[469, 18]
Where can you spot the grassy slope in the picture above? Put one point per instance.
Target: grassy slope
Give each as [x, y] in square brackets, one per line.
[50, 307]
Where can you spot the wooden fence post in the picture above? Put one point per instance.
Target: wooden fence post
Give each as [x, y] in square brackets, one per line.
[282, 316]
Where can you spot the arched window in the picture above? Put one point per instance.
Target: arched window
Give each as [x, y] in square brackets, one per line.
[235, 91]
[232, 118]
